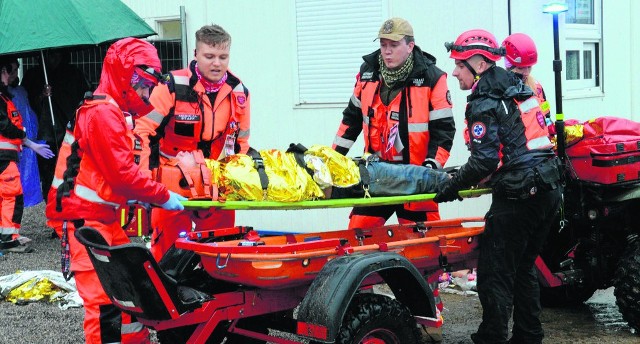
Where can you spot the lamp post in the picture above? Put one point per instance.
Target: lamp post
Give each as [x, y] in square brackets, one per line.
[555, 8]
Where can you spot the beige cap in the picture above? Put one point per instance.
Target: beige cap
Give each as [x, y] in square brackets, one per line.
[395, 29]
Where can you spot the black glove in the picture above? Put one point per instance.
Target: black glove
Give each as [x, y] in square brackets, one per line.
[447, 192]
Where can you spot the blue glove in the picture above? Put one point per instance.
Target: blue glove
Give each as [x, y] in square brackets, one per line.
[174, 202]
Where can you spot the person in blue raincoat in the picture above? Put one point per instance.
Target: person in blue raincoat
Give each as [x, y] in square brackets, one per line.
[28, 163]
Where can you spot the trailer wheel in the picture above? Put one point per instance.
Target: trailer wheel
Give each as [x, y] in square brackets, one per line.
[374, 318]
[627, 285]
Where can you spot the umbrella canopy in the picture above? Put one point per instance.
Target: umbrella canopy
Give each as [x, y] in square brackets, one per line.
[31, 25]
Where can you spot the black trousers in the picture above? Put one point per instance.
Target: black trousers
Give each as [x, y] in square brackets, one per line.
[515, 231]
[46, 169]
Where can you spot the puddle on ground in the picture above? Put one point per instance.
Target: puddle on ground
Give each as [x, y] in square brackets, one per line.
[605, 311]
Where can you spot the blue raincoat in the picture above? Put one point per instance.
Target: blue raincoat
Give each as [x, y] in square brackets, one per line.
[28, 162]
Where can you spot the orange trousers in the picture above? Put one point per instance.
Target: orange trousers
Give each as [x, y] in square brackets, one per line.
[167, 225]
[103, 322]
[12, 201]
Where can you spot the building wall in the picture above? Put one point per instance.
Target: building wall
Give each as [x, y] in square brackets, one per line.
[263, 55]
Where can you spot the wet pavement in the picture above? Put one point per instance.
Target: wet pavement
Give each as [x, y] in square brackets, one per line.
[596, 322]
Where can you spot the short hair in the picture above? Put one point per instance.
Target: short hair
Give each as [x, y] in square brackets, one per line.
[409, 39]
[484, 58]
[213, 35]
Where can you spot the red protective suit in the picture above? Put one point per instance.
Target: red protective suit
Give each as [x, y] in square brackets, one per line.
[107, 177]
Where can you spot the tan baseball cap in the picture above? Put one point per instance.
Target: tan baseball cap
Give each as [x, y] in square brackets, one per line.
[395, 29]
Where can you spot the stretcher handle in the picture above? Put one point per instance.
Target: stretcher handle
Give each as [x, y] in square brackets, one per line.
[225, 263]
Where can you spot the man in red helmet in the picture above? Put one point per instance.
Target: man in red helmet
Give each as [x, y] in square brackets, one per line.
[96, 174]
[401, 104]
[520, 57]
[511, 152]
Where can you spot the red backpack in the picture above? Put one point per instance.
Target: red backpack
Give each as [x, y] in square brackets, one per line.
[607, 153]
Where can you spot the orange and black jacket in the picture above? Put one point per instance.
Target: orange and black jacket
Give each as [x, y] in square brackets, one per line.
[11, 130]
[501, 139]
[415, 126]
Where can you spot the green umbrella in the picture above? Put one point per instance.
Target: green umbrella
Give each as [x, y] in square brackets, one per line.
[35, 25]
[32, 25]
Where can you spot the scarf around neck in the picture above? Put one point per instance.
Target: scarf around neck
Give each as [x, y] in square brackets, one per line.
[393, 76]
[210, 87]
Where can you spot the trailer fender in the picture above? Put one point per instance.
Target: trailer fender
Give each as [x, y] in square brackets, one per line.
[325, 303]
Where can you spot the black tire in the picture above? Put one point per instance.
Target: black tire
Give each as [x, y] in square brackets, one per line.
[377, 316]
[627, 285]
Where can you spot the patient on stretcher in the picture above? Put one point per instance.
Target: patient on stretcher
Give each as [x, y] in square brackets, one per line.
[319, 172]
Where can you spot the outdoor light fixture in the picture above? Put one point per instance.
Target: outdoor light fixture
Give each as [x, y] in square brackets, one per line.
[556, 7]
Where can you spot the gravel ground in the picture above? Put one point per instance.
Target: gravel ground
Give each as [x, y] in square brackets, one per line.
[42, 322]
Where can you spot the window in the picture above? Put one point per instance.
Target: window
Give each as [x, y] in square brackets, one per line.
[169, 29]
[169, 44]
[583, 48]
[580, 12]
[582, 64]
[332, 37]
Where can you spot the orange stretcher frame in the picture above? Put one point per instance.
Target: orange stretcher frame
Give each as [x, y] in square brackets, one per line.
[289, 260]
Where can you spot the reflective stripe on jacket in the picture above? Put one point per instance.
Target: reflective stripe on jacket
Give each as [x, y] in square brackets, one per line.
[506, 126]
[11, 130]
[107, 176]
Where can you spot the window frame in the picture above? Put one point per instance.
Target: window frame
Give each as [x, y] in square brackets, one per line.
[579, 37]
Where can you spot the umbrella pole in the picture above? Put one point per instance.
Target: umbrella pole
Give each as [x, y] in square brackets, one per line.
[46, 83]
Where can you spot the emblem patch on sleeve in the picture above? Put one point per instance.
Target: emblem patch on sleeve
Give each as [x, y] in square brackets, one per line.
[449, 97]
[478, 129]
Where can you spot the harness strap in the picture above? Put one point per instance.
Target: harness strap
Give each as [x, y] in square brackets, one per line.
[298, 151]
[365, 178]
[259, 165]
[69, 175]
[204, 170]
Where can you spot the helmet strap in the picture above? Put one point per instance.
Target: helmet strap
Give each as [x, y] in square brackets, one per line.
[473, 71]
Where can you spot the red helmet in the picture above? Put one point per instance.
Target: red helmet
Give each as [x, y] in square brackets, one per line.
[475, 42]
[521, 51]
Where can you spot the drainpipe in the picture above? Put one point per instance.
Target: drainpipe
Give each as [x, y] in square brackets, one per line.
[183, 37]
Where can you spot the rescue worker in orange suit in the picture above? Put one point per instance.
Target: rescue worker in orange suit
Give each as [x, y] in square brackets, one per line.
[96, 174]
[510, 147]
[204, 107]
[521, 56]
[402, 105]
[12, 137]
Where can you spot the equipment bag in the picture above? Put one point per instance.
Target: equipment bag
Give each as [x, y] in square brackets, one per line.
[607, 153]
[193, 182]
